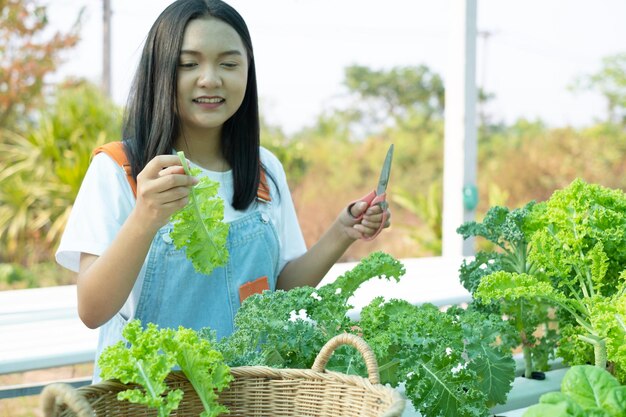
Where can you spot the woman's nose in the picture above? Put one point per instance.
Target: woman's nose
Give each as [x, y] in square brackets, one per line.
[210, 78]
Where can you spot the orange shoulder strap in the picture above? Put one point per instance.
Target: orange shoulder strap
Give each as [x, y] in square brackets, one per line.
[116, 151]
[263, 192]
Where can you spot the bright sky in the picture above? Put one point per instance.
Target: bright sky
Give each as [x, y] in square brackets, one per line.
[535, 49]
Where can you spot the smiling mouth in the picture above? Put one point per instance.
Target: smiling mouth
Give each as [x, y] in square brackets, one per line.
[209, 100]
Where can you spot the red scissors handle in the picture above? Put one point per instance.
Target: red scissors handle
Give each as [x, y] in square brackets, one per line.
[372, 199]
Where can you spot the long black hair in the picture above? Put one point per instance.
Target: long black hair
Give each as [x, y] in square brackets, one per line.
[151, 124]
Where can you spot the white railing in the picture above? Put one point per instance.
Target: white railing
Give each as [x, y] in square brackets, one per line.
[40, 328]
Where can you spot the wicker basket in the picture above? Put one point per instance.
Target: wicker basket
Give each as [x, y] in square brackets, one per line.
[255, 391]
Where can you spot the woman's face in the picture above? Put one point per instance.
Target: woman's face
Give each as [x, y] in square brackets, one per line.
[212, 75]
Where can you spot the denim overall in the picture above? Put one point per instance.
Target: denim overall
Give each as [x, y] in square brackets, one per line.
[173, 294]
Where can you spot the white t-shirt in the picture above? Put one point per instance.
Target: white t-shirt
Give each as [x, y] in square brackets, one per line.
[105, 200]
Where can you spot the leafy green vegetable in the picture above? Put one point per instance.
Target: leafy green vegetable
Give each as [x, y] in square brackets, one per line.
[510, 233]
[203, 366]
[199, 226]
[586, 390]
[142, 363]
[581, 249]
[578, 244]
[608, 318]
[288, 328]
[450, 362]
[492, 362]
[150, 356]
[435, 391]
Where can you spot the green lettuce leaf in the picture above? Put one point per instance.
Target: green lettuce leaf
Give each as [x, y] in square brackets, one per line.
[199, 226]
[203, 366]
[560, 409]
[148, 356]
[586, 391]
[589, 386]
[142, 363]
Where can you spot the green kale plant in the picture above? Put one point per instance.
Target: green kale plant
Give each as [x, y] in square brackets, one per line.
[287, 329]
[454, 354]
[582, 251]
[510, 231]
[199, 226]
[580, 248]
[586, 390]
[450, 362]
[608, 318]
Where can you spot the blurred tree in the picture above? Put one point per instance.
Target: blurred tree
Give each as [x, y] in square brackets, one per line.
[610, 81]
[427, 206]
[344, 151]
[26, 57]
[528, 162]
[289, 152]
[45, 167]
[517, 163]
[384, 96]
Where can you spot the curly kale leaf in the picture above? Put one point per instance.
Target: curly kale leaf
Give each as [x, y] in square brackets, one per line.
[375, 265]
[503, 227]
[526, 301]
[571, 348]
[581, 250]
[451, 354]
[394, 328]
[276, 329]
[582, 246]
[199, 226]
[288, 328]
[483, 264]
[490, 228]
[520, 296]
[607, 317]
[144, 364]
[491, 361]
[507, 286]
[510, 231]
[440, 385]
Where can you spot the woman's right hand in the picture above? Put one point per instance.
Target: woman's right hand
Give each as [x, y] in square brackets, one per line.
[162, 189]
[105, 281]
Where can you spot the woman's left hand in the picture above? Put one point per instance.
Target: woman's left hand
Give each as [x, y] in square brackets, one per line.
[369, 225]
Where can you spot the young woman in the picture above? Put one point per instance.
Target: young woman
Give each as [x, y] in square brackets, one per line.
[194, 90]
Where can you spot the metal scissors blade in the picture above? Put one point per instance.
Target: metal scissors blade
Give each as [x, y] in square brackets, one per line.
[385, 172]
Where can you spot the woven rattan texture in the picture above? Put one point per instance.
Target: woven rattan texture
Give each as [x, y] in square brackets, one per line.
[256, 391]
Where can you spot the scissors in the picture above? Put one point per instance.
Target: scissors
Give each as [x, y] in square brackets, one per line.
[379, 195]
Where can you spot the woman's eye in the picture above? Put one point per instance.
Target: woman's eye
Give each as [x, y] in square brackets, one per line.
[229, 64]
[187, 64]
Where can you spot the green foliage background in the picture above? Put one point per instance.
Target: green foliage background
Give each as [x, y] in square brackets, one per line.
[45, 152]
[333, 161]
[43, 168]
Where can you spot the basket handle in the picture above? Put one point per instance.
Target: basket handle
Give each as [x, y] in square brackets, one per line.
[353, 340]
[57, 394]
